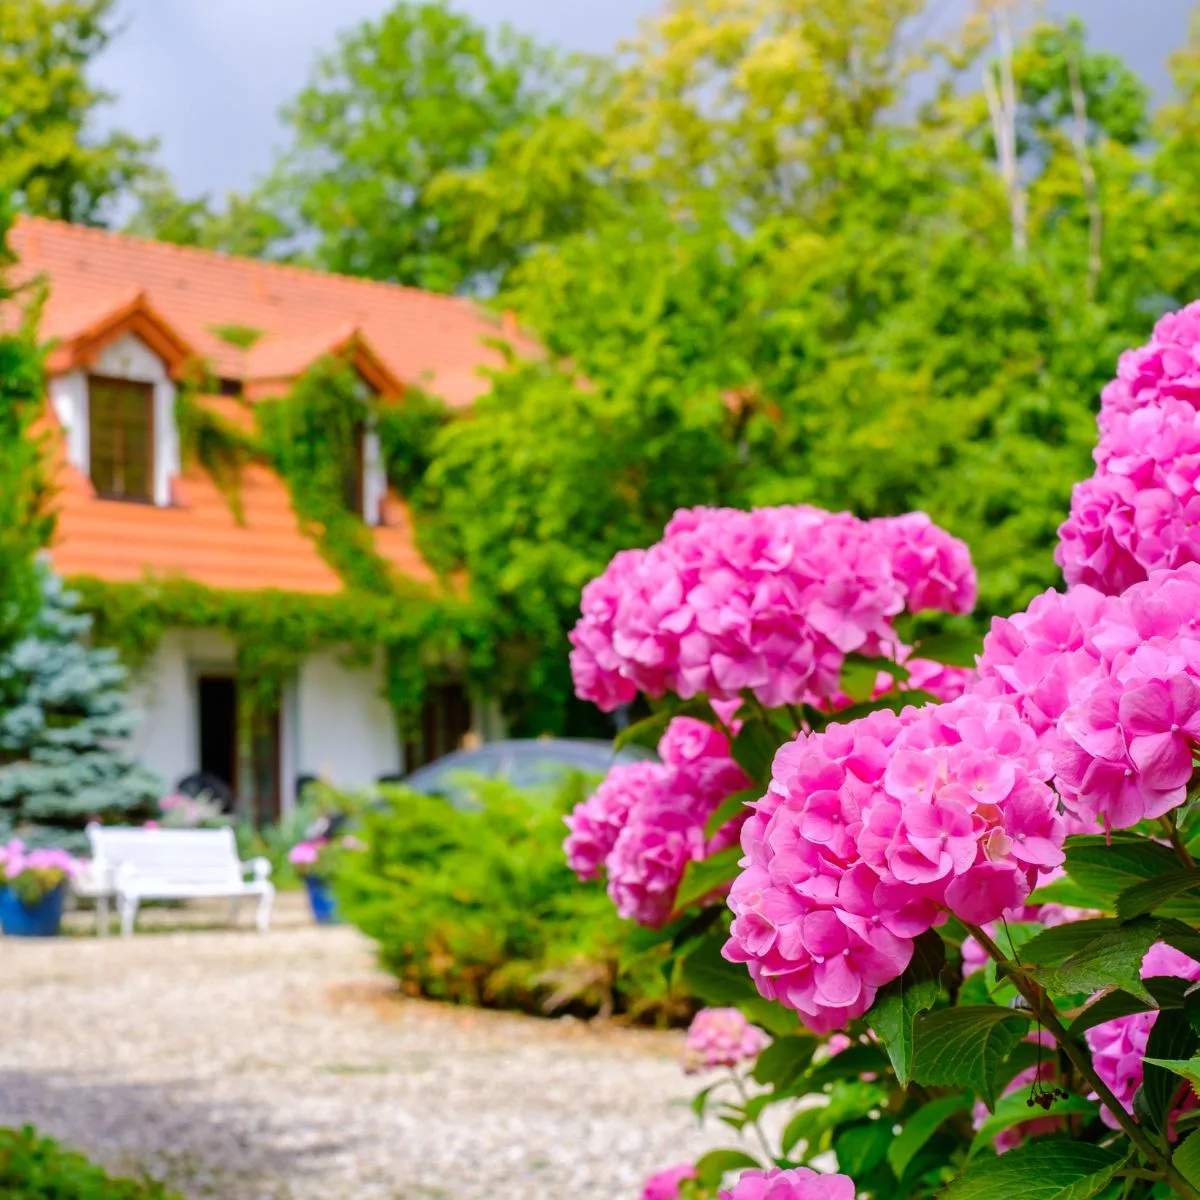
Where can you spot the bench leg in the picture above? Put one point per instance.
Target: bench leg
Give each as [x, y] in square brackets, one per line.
[102, 915]
[235, 907]
[264, 909]
[128, 908]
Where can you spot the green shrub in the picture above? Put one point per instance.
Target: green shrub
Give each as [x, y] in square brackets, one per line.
[479, 907]
[33, 1167]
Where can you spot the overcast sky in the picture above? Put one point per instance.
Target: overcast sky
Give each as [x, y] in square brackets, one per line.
[207, 77]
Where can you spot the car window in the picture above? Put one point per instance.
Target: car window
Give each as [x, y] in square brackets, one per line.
[527, 771]
[453, 776]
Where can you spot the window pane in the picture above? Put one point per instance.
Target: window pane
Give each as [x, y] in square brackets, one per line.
[122, 438]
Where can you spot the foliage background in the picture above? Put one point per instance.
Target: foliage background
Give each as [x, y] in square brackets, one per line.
[482, 909]
[770, 247]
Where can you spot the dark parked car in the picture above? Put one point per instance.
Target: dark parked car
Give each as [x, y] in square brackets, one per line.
[531, 763]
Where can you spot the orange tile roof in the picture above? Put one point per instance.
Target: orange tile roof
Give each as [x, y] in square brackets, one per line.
[103, 285]
[198, 538]
[438, 343]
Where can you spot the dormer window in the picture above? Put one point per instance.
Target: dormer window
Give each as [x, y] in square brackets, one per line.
[121, 438]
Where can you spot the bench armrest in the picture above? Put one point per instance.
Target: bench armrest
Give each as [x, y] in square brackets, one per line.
[261, 867]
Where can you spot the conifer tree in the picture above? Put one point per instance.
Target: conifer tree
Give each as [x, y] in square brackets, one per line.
[65, 723]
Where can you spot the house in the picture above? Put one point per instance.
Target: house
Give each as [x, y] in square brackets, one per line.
[125, 319]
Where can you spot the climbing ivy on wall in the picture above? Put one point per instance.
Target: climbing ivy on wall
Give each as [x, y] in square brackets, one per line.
[311, 437]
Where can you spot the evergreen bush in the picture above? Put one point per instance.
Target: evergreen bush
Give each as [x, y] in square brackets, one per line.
[64, 727]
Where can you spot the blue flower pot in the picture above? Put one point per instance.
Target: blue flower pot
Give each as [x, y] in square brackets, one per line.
[43, 919]
[320, 900]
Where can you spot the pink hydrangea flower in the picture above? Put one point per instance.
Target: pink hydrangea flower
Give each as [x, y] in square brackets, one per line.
[721, 1037]
[1138, 513]
[770, 601]
[799, 1183]
[1111, 686]
[665, 1185]
[1119, 1046]
[596, 824]
[304, 854]
[647, 821]
[870, 833]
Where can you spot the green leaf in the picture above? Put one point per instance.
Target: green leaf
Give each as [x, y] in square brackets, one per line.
[1106, 867]
[645, 732]
[861, 1148]
[711, 1168]
[1052, 947]
[1187, 1158]
[729, 808]
[1185, 1068]
[1171, 1039]
[649, 730]
[702, 878]
[1180, 935]
[1014, 1110]
[953, 649]
[848, 1101]
[852, 1063]
[921, 1126]
[965, 1047]
[1154, 893]
[716, 981]
[861, 674]
[1107, 1007]
[1191, 1006]
[784, 1061]
[754, 750]
[898, 1004]
[700, 1100]
[1048, 1169]
[1113, 958]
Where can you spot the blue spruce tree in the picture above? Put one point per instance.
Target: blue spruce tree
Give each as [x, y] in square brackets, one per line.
[64, 726]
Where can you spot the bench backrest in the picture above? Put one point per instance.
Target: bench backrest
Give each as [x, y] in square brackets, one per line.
[196, 857]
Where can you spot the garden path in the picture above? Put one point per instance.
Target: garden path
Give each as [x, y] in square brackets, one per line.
[285, 1068]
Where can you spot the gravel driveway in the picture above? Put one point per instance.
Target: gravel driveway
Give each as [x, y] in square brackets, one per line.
[250, 1068]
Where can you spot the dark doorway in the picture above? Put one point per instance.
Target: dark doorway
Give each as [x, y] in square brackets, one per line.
[218, 728]
[445, 719]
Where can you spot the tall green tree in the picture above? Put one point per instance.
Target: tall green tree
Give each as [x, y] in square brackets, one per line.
[401, 100]
[26, 521]
[244, 225]
[54, 162]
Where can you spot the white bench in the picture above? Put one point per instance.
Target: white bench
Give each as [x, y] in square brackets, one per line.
[134, 864]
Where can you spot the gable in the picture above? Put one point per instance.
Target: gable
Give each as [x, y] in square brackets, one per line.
[439, 343]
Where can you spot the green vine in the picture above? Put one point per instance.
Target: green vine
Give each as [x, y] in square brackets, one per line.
[422, 637]
[223, 450]
[312, 438]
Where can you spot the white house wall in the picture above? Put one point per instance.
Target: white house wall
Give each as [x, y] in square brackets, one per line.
[164, 693]
[68, 395]
[345, 731]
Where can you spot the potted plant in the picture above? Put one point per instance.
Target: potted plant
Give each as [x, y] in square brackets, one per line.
[314, 862]
[32, 889]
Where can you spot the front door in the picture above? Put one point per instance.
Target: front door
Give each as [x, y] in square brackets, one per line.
[246, 761]
[219, 728]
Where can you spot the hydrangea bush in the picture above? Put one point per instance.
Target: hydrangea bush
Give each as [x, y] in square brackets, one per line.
[942, 897]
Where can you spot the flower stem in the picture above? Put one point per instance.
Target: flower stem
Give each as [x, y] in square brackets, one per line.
[1045, 1012]
[740, 1084]
[1176, 841]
